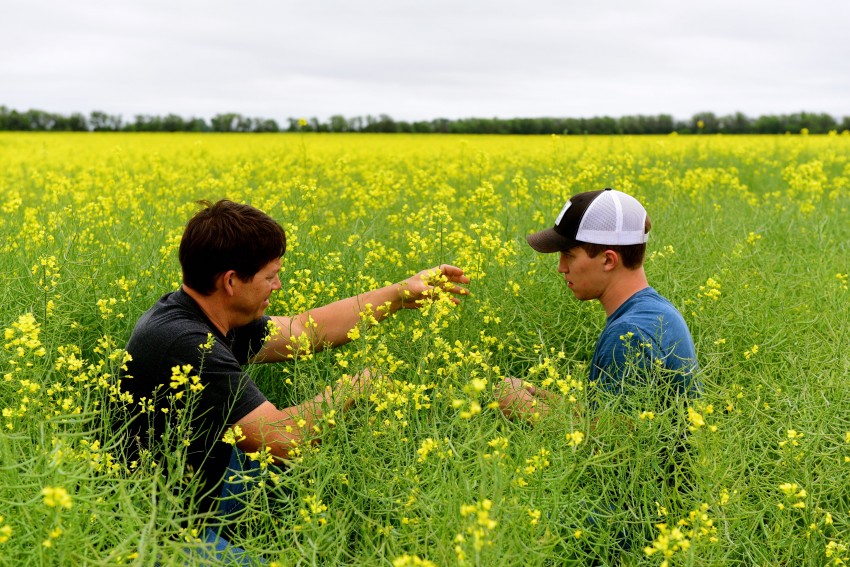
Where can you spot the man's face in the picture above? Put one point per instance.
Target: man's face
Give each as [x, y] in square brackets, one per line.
[252, 297]
[583, 274]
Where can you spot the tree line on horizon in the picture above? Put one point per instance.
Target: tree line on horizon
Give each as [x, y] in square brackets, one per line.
[703, 122]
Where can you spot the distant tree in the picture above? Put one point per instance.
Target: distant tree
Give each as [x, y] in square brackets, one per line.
[818, 123]
[317, 125]
[705, 122]
[441, 125]
[265, 125]
[227, 122]
[602, 125]
[12, 120]
[173, 123]
[338, 123]
[573, 126]
[422, 127]
[103, 122]
[76, 122]
[632, 125]
[355, 124]
[41, 120]
[737, 123]
[708, 122]
[664, 124]
[768, 124]
[146, 123]
[244, 124]
[197, 125]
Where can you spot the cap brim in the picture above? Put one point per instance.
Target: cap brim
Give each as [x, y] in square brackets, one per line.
[548, 241]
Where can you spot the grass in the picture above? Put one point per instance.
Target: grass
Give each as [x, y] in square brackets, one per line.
[749, 241]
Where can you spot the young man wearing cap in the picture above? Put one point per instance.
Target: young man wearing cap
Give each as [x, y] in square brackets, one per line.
[601, 238]
[215, 323]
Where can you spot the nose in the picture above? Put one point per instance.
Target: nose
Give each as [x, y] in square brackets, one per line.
[562, 264]
[276, 285]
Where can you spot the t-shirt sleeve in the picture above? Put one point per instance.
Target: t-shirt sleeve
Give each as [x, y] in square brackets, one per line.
[248, 340]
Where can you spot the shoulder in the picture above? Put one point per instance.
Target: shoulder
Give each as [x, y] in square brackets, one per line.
[647, 310]
[170, 328]
[654, 319]
[173, 314]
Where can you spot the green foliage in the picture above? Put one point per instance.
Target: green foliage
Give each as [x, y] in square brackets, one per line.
[700, 123]
[749, 241]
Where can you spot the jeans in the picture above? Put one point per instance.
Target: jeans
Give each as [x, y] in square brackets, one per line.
[220, 551]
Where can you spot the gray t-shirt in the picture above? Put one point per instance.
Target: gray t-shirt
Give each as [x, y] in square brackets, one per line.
[171, 334]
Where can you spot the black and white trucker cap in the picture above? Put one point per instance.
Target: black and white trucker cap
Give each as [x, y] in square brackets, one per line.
[596, 217]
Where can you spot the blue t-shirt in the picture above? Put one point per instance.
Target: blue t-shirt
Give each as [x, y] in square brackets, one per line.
[645, 332]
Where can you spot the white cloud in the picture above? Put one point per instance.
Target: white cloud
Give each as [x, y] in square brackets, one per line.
[428, 59]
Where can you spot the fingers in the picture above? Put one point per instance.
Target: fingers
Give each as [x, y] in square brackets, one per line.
[515, 394]
[445, 276]
[422, 286]
[453, 273]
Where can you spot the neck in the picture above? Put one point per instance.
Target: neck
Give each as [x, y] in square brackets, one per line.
[622, 287]
[211, 306]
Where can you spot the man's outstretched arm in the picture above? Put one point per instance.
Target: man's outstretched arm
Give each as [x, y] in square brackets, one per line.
[330, 324]
[281, 430]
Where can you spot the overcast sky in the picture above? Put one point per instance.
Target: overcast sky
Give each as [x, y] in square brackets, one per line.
[426, 59]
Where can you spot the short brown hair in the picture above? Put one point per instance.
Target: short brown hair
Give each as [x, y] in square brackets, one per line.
[631, 255]
[228, 236]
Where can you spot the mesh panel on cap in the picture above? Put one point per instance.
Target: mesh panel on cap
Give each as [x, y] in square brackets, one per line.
[613, 218]
[601, 215]
[633, 217]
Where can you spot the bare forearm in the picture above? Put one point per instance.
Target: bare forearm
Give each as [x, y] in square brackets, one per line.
[280, 431]
[330, 324]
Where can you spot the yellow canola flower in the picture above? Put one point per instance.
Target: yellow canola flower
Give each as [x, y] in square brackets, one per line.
[748, 354]
[695, 418]
[575, 438]
[670, 541]
[412, 561]
[56, 496]
[5, 531]
[180, 375]
[837, 553]
[233, 435]
[264, 457]
[440, 449]
[314, 511]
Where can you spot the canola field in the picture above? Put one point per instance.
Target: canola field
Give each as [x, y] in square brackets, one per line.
[749, 240]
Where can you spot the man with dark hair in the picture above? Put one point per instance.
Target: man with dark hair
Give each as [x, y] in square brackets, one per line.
[601, 238]
[192, 344]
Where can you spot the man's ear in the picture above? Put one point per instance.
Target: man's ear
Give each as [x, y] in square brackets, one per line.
[611, 261]
[227, 280]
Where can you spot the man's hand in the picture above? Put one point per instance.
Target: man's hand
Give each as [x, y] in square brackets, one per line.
[517, 398]
[351, 388]
[423, 285]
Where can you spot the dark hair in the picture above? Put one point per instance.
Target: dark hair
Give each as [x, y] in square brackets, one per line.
[228, 236]
[631, 255]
